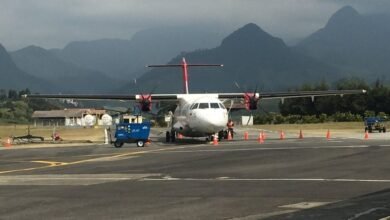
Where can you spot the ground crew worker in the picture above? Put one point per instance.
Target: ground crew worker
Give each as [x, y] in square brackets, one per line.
[230, 126]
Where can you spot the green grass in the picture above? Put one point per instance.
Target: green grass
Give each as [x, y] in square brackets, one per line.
[66, 133]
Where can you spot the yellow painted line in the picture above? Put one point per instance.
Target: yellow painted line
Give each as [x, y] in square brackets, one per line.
[58, 164]
[51, 163]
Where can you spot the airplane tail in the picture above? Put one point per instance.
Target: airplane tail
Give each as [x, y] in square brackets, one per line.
[184, 67]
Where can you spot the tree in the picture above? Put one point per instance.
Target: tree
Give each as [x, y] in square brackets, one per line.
[12, 94]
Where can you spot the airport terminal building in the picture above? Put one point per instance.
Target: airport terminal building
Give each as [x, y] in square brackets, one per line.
[72, 117]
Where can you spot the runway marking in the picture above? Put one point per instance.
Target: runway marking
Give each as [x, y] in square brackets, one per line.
[305, 205]
[263, 149]
[52, 164]
[264, 215]
[68, 179]
[266, 179]
[358, 215]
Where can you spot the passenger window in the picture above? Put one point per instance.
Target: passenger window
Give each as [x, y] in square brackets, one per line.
[214, 105]
[221, 105]
[203, 105]
[194, 106]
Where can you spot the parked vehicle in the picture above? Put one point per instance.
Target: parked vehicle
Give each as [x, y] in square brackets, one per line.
[131, 133]
[374, 123]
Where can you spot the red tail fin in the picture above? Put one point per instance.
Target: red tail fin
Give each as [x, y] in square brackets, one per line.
[185, 76]
[184, 67]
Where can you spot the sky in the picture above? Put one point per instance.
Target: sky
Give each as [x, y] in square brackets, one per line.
[55, 23]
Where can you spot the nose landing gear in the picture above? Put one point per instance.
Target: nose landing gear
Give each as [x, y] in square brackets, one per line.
[170, 136]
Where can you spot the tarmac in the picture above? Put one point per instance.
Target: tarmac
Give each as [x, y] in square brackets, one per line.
[310, 178]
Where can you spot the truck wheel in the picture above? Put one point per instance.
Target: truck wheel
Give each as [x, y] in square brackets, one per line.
[167, 137]
[118, 144]
[140, 143]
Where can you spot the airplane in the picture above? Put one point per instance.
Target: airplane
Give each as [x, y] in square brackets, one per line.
[198, 115]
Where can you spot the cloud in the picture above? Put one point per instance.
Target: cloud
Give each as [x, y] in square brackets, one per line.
[54, 23]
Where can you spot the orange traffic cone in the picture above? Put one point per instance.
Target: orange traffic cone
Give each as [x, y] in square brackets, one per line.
[281, 135]
[300, 134]
[8, 143]
[263, 135]
[260, 138]
[229, 137]
[215, 140]
[366, 136]
[328, 135]
[246, 136]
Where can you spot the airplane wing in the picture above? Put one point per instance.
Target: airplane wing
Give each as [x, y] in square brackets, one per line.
[121, 97]
[251, 99]
[145, 100]
[284, 95]
[172, 97]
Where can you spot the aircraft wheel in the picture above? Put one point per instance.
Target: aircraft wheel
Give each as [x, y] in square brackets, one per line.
[167, 137]
[173, 136]
[220, 135]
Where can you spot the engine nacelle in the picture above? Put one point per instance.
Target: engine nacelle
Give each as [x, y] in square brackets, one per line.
[145, 103]
[251, 101]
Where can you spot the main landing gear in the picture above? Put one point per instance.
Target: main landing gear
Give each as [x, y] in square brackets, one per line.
[170, 136]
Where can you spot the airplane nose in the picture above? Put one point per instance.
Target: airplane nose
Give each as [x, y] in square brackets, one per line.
[214, 121]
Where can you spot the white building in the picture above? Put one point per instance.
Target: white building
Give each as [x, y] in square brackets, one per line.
[72, 117]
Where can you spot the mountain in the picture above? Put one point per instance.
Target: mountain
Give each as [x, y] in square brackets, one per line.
[63, 76]
[127, 58]
[11, 77]
[357, 44]
[250, 56]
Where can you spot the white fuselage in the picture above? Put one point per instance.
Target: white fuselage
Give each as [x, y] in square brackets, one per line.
[199, 115]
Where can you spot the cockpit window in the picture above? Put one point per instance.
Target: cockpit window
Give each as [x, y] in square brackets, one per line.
[221, 105]
[194, 106]
[214, 105]
[203, 105]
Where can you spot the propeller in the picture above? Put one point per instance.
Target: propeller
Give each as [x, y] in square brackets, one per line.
[145, 101]
[250, 101]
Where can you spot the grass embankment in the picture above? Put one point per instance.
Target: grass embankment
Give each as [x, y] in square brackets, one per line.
[66, 133]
